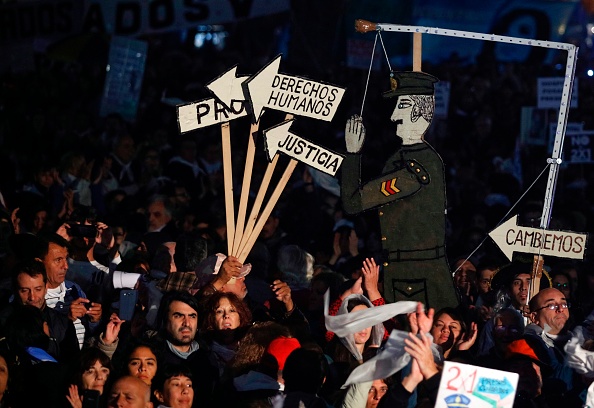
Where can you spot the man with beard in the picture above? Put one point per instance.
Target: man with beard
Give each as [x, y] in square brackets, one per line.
[178, 318]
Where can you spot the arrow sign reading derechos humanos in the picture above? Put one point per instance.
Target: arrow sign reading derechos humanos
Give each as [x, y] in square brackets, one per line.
[279, 138]
[290, 94]
[229, 105]
[511, 237]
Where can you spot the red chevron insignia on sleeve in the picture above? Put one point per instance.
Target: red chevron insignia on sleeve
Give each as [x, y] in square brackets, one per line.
[389, 187]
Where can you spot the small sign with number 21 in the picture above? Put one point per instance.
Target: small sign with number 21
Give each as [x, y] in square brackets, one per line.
[464, 385]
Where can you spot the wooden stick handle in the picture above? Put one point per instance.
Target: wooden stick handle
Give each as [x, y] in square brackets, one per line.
[268, 209]
[259, 199]
[257, 204]
[228, 184]
[364, 26]
[537, 265]
[245, 188]
[534, 287]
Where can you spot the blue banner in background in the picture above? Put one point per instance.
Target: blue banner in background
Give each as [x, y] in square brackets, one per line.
[123, 82]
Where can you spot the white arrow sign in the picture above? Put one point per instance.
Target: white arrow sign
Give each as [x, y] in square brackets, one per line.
[279, 138]
[511, 237]
[299, 96]
[207, 112]
[228, 88]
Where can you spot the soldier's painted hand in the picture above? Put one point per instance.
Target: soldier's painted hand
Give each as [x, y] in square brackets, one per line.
[354, 134]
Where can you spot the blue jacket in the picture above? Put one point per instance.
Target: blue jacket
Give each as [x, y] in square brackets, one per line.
[73, 292]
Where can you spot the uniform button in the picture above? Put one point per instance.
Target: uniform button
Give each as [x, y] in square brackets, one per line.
[409, 288]
[412, 164]
[418, 170]
[385, 264]
[381, 213]
[384, 238]
[424, 177]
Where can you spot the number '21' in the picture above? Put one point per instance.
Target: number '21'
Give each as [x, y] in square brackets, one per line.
[456, 383]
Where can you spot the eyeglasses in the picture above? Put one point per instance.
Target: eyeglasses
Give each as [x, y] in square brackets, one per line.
[554, 306]
[561, 285]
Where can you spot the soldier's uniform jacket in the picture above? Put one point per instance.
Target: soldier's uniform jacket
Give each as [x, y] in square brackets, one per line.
[410, 200]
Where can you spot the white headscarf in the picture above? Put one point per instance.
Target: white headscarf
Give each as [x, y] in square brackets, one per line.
[377, 331]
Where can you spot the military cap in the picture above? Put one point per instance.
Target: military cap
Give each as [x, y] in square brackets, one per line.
[410, 83]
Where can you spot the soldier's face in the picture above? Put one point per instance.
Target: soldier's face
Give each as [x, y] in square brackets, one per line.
[410, 126]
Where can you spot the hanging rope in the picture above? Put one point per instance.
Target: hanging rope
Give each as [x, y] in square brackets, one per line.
[505, 217]
[385, 52]
[378, 34]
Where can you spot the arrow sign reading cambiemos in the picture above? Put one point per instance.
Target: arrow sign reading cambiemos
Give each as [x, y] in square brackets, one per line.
[207, 112]
[227, 88]
[299, 96]
[510, 238]
[279, 138]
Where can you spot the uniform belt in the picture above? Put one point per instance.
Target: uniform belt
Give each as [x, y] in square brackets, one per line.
[416, 254]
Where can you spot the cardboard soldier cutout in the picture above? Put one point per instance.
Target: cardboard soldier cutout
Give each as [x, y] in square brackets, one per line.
[409, 197]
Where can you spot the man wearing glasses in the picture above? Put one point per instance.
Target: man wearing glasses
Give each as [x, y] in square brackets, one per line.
[549, 312]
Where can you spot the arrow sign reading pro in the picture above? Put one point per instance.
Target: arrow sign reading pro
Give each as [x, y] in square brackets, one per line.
[511, 237]
[228, 88]
[279, 138]
[207, 112]
[229, 105]
[299, 96]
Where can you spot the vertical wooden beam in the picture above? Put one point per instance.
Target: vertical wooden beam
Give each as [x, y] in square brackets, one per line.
[245, 188]
[417, 51]
[228, 183]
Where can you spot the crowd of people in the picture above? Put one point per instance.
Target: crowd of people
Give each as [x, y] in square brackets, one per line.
[90, 318]
[116, 289]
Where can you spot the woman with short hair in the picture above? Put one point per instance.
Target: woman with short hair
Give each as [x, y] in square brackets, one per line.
[173, 387]
[90, 378]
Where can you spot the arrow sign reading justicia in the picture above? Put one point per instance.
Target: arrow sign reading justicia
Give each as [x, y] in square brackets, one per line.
[510, 238]
[290, 94]
[280, 139]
